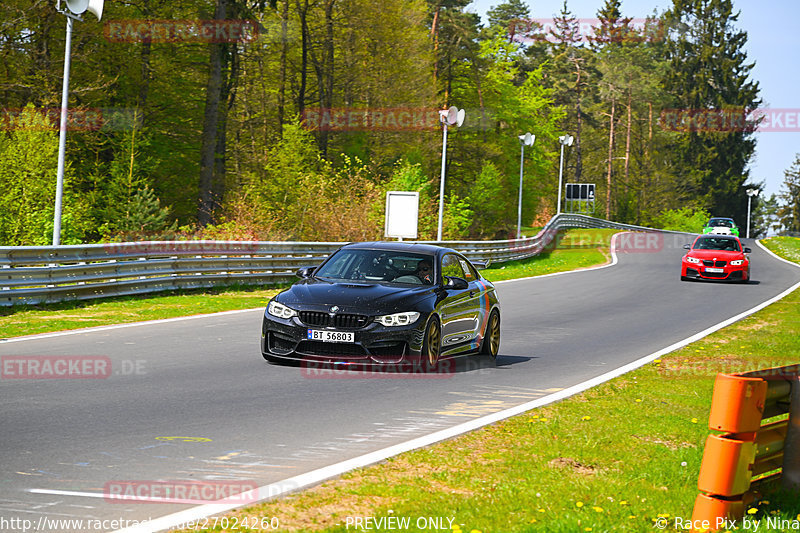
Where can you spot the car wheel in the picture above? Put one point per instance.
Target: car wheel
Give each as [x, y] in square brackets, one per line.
[491, 342]
[684, 278]
[432, 344]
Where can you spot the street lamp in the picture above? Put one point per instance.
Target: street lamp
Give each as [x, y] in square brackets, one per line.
[524, 140]
[750, 194]
[452, 116]
[75, 8]
[565, 140]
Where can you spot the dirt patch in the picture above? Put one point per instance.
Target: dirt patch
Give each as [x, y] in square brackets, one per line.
[571, 464]
[670, 444]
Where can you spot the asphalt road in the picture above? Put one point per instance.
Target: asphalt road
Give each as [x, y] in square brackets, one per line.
[194, 400]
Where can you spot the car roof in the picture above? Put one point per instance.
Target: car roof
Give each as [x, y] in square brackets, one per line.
[717, 236]
[399, 246]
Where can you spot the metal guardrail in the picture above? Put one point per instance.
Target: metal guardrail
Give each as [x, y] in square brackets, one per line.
[753, 457]
[44, 274]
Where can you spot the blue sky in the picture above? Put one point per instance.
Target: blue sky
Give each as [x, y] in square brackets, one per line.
[773, 29]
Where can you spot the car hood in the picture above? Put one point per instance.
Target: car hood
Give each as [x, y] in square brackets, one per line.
[353, 297]
[722, 255]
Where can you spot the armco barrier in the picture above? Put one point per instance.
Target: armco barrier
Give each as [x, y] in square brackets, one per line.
[40, 274]
[751, 458]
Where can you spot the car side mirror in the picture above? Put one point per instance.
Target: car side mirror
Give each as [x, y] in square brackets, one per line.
[687, 246]
[453, 282]
[747, 250]
[305, 272]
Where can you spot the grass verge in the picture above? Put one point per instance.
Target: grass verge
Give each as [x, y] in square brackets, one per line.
[29, 320]
[623, 456]
[586, 248]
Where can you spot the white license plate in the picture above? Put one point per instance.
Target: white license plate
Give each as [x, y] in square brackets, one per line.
[717, 270]
[331, 336]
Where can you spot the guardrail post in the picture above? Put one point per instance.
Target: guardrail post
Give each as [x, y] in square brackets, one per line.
[791, 460]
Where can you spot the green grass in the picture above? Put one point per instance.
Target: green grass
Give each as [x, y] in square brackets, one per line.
[28, 320]
[575, 249]
[615, 458]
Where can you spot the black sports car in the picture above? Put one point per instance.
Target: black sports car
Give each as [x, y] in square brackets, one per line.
[384, 302]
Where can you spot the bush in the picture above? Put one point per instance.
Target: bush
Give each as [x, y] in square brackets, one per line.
[684, 219]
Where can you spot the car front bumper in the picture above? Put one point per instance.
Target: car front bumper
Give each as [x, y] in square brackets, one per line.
[729, 273]
[373, 343]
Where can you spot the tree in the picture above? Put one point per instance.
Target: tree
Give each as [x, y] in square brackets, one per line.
[28, 155]
[789, 210]
[709, 73]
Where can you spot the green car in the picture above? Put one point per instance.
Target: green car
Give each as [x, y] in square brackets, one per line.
[721, 226]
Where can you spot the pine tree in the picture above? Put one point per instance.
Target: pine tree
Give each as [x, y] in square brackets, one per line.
[789, 210]
[709, 73]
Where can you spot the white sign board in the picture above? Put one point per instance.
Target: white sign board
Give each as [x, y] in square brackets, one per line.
[402, 214]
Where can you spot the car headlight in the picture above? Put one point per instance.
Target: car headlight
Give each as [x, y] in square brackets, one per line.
[398, 319]
[279, 310]
[692, 260]
[737, 262]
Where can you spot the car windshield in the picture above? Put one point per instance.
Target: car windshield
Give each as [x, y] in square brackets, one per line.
[712, 243]
[720, 223]
[358, 264]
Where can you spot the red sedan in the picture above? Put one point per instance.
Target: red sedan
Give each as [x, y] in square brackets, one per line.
[719, 257]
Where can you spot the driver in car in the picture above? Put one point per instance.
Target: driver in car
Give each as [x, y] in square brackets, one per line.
[424, 272]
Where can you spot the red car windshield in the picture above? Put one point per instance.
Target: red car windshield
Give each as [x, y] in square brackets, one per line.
[712, 243]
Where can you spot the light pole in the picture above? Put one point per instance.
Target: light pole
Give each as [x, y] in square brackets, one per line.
[524, 140]
[452, 116]
[565, 140]
[750, 194]
[73, 12]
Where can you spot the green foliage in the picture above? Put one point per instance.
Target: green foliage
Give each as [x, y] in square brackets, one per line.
[456, 218]
[127, 208]
[492, 203]
[684, 219]
[28, 168]
[279, 177]
[789, 212]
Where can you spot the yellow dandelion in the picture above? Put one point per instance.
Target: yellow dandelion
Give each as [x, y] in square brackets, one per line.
[587, 529]
[663, 515]
[597, 509]
[623, 502]
[533, 521]
[752, 510]
[544, 420]
[631, 516]
[476, 531]
[657, 361]
[694, 421]
[541, 510]
[638, 400]
[586, 418]
[579, 504]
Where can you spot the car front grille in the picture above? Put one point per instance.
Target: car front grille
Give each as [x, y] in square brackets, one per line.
[341, 320]
[340, 349]
[709, 263]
